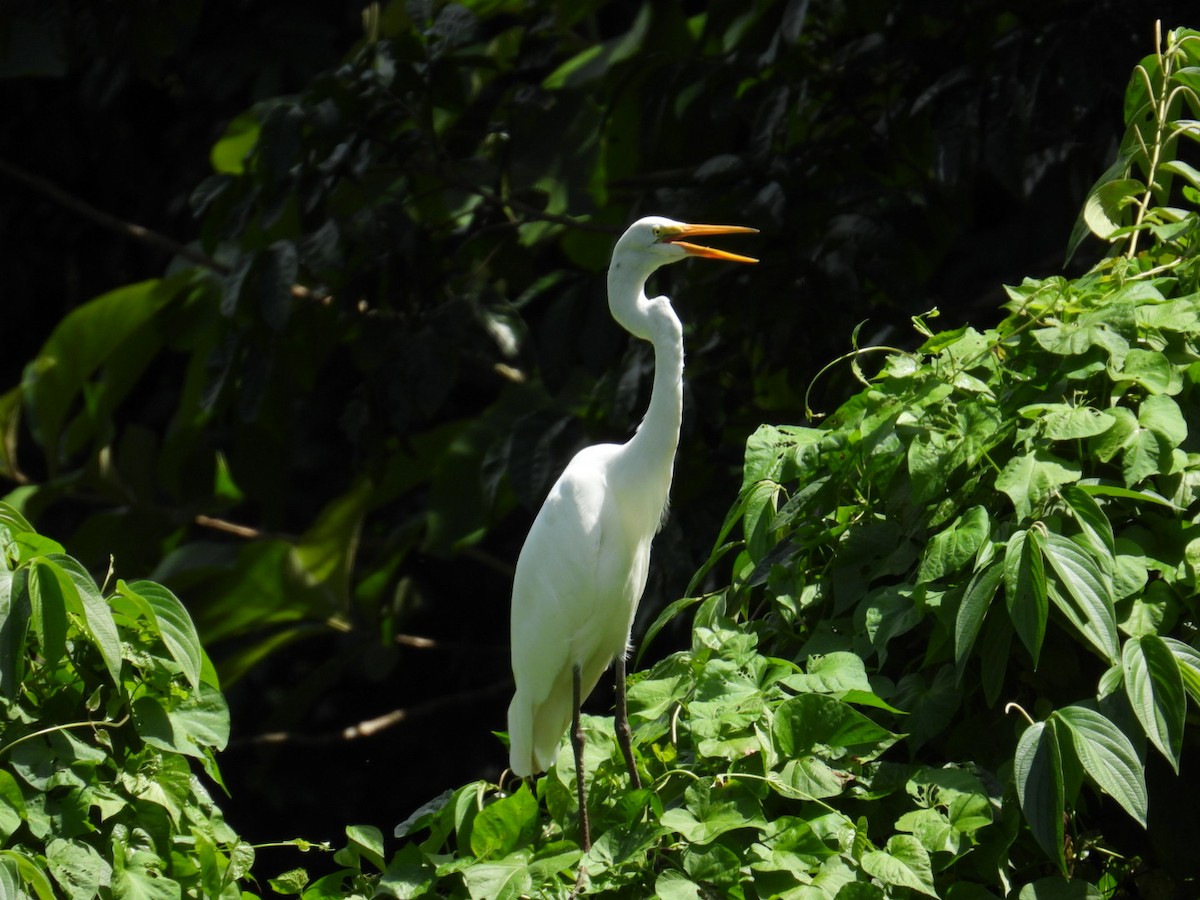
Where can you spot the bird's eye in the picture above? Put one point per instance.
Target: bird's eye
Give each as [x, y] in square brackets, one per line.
[656, 231]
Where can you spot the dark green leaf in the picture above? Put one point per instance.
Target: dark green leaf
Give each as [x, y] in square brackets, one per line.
[1084, 593]
[972, 611]
[1108, 758]
[1025, 590]
[1154, 685]
[1038, 770]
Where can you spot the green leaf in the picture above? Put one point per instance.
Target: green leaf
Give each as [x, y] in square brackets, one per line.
[409, 875]
[954, 547]
[366, 841]
[30, 874]
[1155, 689]
[1149, 369]
[87, 338]
[904, 863]
[1085, 597]
[503, 879]
[83, 597]
[1188, 658]
[672, 884]
[49, 612]
[1025, 590]
[228, 155]
[1057, 887]
[1108, 758]
[1104, 211]
[293, 881]
[185, 725]
[1030, 479]
[976, 601]
[503, 826]
[1063, 422]
[171, 623]
[1161, 416]
[710, 811]
[1096, 528]
[831, 673]
[1038, 771]
[816, 723]
[77, 867]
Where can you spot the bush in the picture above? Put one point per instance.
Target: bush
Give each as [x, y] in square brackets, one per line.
[105, 698]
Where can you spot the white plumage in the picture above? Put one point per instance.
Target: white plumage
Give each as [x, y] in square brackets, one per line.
[583, 568]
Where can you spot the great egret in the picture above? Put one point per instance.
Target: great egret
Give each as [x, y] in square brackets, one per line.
[583, 568]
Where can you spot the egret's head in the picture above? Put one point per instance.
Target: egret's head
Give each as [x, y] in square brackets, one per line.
[655, 241]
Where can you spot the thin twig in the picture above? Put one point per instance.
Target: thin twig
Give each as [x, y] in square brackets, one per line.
[371, 727]
[244, 531]
[111, 222]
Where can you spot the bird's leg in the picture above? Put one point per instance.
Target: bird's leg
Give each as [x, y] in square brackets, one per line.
[577, 745]
[624, 740]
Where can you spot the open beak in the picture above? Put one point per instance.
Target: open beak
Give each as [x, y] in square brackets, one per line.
[677, 234]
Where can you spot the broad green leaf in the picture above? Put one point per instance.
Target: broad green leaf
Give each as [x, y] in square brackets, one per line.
[29, 872]
[1150, 370]
[1103, 489]
[760, 511]
[49, 612]
[87, 338]
[1155, 689]
[1030, 479]
[954, 547]
[1161, 416]
[816, 723]
[1057, 887]
[672, 884]
[1109, 443]
[976, 601]
[1188, 659]
[904, 863]
[831, 673]
[709, 811]
[171, 622]
[77, 867]
[1097, 529]
[1105, 209]
[504, 825]
[1085, 595]
[144, 882]
[185, 725]
[1025, 590]
[1108, 758]
[16, 611]
[229, 153]
[83, 597]
[808, 778]
[1038, 771]
[1063, 422]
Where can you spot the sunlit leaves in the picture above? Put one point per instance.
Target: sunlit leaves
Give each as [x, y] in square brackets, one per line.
[1154, 685]
[1082, 592]
[1107, 756]
[113, 697]
[1030, 478]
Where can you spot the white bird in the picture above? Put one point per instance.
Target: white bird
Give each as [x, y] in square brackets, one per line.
[583, 568]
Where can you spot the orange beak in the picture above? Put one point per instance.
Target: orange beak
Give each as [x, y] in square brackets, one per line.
[675, 236]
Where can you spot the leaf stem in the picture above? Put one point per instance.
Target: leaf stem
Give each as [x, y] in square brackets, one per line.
[106, 723]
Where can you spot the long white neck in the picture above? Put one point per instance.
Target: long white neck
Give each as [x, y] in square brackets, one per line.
[648, 458]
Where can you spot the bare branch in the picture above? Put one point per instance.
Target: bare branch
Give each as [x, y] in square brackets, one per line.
[112, 223]
[371, 727]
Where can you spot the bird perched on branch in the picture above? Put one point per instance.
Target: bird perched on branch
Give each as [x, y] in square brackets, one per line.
[583, 568]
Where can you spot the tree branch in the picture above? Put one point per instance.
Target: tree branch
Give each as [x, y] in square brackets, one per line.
[372, 727]
[138, 232]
